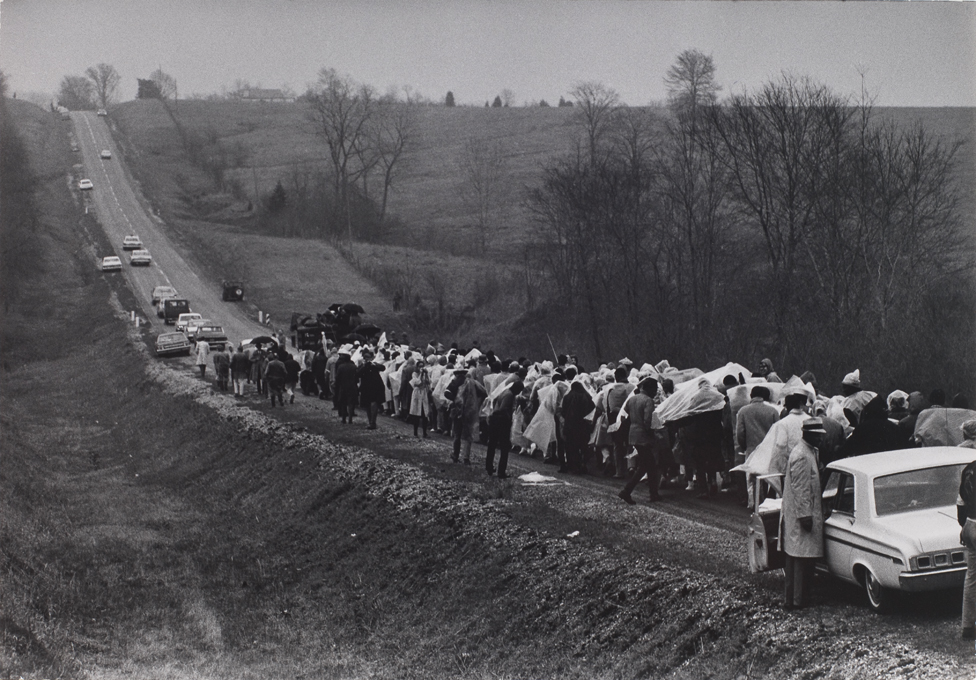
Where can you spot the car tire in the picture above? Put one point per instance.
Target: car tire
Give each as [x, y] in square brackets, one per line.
[879, 598]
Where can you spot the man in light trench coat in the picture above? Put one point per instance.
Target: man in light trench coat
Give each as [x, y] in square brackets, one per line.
[801, 523]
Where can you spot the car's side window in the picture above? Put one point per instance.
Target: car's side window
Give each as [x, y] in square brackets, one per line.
[845, 495]
[838, 494]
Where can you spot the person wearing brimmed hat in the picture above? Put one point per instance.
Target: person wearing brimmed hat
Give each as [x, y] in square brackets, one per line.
[966, 514]
[346, 385]
[801, 519]
[372, 391]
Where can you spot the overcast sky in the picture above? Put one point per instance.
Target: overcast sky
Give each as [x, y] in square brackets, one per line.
[912, 54]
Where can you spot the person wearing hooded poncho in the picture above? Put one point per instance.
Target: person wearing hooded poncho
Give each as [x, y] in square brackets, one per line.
[696, 415]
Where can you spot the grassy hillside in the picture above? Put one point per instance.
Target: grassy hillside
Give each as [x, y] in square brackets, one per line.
[492, 285]
[279, 138]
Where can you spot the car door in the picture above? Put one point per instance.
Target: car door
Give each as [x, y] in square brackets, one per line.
[838, 507]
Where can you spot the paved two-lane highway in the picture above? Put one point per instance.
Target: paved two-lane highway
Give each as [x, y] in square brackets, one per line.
[121, 213]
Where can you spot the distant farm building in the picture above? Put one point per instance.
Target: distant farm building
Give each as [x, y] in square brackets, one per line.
[265, 95]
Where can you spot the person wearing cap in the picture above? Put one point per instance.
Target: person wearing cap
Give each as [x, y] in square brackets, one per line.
[346, 385]
[372, 391]
[801, 519]
[966, 514]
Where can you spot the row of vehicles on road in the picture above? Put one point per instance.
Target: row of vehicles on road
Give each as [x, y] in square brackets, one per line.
[138, 256]
[190, 326]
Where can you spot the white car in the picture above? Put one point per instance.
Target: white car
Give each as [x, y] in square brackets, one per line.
[111, 264]
[890, 522]
[140, 257]
[162, 292]
[102, 112]
[131, 242]
[183, 319]
[193, 325]
[85, 184]
[106, 154]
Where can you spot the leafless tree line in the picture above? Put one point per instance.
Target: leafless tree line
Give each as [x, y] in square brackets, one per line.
[366, 136]
[788, 222]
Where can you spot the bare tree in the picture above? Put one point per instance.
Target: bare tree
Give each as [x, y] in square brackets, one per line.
[105, 80]
[165, 82]
[341, 110]
[393, 133]
[481, 167]
[690, 81]
[595, 107]
[76, 93]
[508, 97]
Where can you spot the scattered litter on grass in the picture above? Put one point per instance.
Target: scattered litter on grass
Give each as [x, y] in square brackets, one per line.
[536, 478]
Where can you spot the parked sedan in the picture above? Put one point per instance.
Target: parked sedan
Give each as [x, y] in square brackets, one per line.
[890, 522]
[111, 264]
[185, 318]
[140, 257]
[105, 154]
[161, 292]
[131, 242]
[102, 112]
[85, 185]
[213, 334]
[169, 344]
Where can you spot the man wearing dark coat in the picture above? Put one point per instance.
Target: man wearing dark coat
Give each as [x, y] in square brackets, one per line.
[500, 429]
[347, 386]
[576, 405]
[372, 392]
[319, 362]
[874, 432]
[276, 374]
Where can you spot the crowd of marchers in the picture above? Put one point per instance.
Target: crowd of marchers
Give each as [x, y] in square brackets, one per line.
[672, 428]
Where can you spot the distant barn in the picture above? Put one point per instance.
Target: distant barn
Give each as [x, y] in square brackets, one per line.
[265, 95]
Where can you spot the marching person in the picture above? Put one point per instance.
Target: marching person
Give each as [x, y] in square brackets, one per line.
[346, 385]
[294, 369]
[275, 376]
[203, 353]
[801, 520]
[240, 368]
[372, 391]
[500, 429]
[645, 431]
[221, 362]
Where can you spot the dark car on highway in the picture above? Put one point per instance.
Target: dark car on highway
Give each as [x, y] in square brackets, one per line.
[233, 291]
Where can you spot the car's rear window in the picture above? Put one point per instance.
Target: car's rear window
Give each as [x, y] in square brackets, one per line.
[933, 487]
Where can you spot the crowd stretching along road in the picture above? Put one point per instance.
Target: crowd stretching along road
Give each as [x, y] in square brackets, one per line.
[751, 434]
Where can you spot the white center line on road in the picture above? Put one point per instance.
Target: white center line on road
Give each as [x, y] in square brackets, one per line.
[111, 188]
